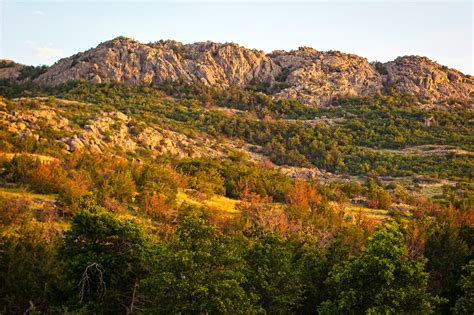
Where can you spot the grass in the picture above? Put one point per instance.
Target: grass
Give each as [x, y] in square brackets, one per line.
[375, 214]
[183, 197]
[228, 205]
[216, 202]
[222, 203]
[42, 158]
[19, 192]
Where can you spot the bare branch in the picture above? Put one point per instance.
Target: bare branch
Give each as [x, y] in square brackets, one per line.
[85, 281]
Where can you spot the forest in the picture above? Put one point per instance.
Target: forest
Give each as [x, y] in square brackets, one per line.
[135, 233]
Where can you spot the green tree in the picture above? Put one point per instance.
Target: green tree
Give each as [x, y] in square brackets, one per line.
[465, 304]
[157, 179]
[104, 261]
[446, 252]
[199, 271]
[273, 274]
[378, 197]
[29, 272]
[121, 186]
[20, 167]
[314, 266]
[208, 182]
[382, 280]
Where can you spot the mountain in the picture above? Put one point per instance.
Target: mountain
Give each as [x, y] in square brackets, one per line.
[314, 77]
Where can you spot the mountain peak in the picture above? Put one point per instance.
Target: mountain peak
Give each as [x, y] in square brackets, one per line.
[315, 77]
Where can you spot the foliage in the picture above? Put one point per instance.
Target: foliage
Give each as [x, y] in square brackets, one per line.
[272, 275]
[383, 279]
[199, 271]
[465, 304]
[29, 272]
[357, 135]
[104, 260]
[286, 246]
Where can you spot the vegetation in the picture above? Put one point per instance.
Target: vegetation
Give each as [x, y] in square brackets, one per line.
[129, 232]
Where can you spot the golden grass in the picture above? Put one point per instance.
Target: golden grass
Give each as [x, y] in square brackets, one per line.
[376, 214]
[42, 158]
[216, 202]
[183, 197]
[222, 203]
[18, 192]
[228, 205]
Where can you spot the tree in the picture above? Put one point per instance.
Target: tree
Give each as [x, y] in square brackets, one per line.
[378, 197]
[314, 266]
[77, 185]
[273, 274]
[19, 168]
[104, 259]
[382, 280]
[199, 271]
[121, 186]
[158, 189]
[47, 178]
[29, 272]
[447, 252]
[465, 304]
[302, 199]
[208, 182]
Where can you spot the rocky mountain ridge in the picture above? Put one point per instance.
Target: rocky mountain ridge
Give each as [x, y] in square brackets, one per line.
[314, 77]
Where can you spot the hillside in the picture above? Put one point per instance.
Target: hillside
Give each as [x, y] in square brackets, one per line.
[314, 77]
[208, 178]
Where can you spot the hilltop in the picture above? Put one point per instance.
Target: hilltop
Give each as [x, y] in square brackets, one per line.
[314, 77]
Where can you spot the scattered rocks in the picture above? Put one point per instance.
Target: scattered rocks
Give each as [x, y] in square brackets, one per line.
[28, 123]
[301, 172]
[111, 130]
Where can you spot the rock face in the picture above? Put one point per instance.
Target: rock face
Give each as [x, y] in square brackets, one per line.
[9, 69]
[129, 61]
[427, 79]
[318, 77]
[312, 76]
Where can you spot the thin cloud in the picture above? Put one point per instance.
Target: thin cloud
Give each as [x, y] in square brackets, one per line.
[48, 52]
[38, 12]
[44, 52]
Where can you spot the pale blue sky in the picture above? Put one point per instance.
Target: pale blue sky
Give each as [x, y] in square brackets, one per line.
[41, 32]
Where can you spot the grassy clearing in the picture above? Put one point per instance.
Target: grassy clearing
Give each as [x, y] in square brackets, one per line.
[228, 205]
[219, 203]
[431, 190]
[424, 150]
[375, 214]
[42, 158]
[222, 203]
[183, 197]
[19, 192]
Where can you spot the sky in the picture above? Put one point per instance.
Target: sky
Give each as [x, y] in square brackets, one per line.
[41, 32]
